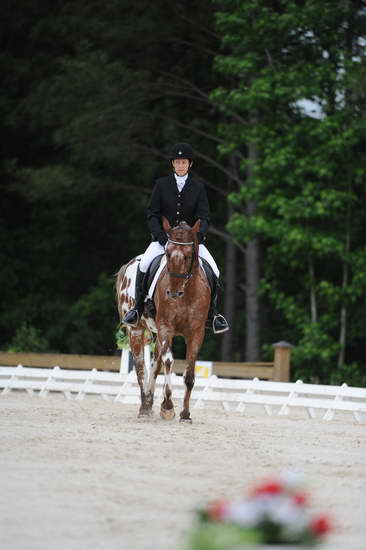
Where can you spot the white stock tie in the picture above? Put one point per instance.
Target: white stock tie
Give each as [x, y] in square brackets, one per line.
[181, 180]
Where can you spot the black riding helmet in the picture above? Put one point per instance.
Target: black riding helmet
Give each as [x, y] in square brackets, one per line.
[181, 151]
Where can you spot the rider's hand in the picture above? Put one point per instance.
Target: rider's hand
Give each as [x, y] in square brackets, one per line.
[200, 237]
[162, 238]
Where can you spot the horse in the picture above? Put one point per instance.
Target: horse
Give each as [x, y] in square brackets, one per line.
[182, 299]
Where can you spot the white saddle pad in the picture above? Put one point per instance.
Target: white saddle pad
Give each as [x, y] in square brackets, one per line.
[156, 277]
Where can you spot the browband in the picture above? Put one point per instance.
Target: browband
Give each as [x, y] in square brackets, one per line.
[176, 242]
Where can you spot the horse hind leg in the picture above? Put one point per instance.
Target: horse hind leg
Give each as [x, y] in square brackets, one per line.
[137, 348]
[167, 411]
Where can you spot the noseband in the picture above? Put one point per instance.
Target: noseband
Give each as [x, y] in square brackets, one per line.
[187, 275]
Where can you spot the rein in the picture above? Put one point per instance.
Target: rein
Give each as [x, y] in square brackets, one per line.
[187, 275]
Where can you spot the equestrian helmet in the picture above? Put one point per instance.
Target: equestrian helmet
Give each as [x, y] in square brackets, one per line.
[181, 151]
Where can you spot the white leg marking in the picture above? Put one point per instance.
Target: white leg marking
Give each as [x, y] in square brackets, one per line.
[168, 358]
[152, 379]
[147, 377]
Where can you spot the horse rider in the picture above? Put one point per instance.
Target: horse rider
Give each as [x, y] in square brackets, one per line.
[178, 197]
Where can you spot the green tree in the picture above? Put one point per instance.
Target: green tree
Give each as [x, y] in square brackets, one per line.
[303, 196]
[93, 97]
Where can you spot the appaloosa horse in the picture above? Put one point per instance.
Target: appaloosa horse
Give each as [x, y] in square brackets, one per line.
[182, 300]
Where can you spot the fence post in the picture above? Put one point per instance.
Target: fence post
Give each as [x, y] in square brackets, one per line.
[125, 357]
[281, 362]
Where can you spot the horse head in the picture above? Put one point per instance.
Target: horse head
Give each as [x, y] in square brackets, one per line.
[181, 254]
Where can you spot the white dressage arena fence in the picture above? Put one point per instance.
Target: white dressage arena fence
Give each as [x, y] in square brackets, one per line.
[234, 395]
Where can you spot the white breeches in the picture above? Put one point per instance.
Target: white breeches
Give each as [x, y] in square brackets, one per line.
[155, 248]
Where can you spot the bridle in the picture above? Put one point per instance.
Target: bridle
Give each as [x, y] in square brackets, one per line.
[187, 275]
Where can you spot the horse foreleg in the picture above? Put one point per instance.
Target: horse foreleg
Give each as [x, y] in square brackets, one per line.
[193, 343]
[137, 348]
[166, 357]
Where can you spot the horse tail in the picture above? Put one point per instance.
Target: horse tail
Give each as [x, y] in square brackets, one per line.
[119, 277]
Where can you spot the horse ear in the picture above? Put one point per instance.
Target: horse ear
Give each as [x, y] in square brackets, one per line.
[166, 224]
[196, 226]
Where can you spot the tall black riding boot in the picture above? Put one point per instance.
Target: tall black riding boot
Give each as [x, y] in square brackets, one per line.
[219, 323]
[132, 317]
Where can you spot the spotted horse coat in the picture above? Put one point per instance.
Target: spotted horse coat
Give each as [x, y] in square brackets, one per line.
[182, 299]
[138, 335]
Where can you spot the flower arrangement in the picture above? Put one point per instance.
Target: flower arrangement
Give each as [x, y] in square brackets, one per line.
[276, 512]
[123, 340]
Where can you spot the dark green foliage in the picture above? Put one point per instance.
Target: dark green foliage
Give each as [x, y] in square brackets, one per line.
[308, 182]
[28, 338]
[89, 108]
[93, 96]
[91, 320]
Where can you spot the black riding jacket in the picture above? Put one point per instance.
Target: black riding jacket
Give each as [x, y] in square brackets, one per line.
[189, 205]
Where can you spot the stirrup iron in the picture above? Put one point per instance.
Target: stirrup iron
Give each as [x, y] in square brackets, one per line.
[129, 322]
[224, 323]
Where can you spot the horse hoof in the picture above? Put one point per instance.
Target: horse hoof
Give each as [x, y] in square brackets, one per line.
[167, 414]
[145, 413]
[186, 420]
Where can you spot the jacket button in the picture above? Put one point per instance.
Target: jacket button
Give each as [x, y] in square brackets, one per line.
[177, 212]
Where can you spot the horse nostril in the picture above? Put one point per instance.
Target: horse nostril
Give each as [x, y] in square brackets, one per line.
[174, 294]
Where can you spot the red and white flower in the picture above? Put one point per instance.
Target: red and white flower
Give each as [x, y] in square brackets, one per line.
[279, 504]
